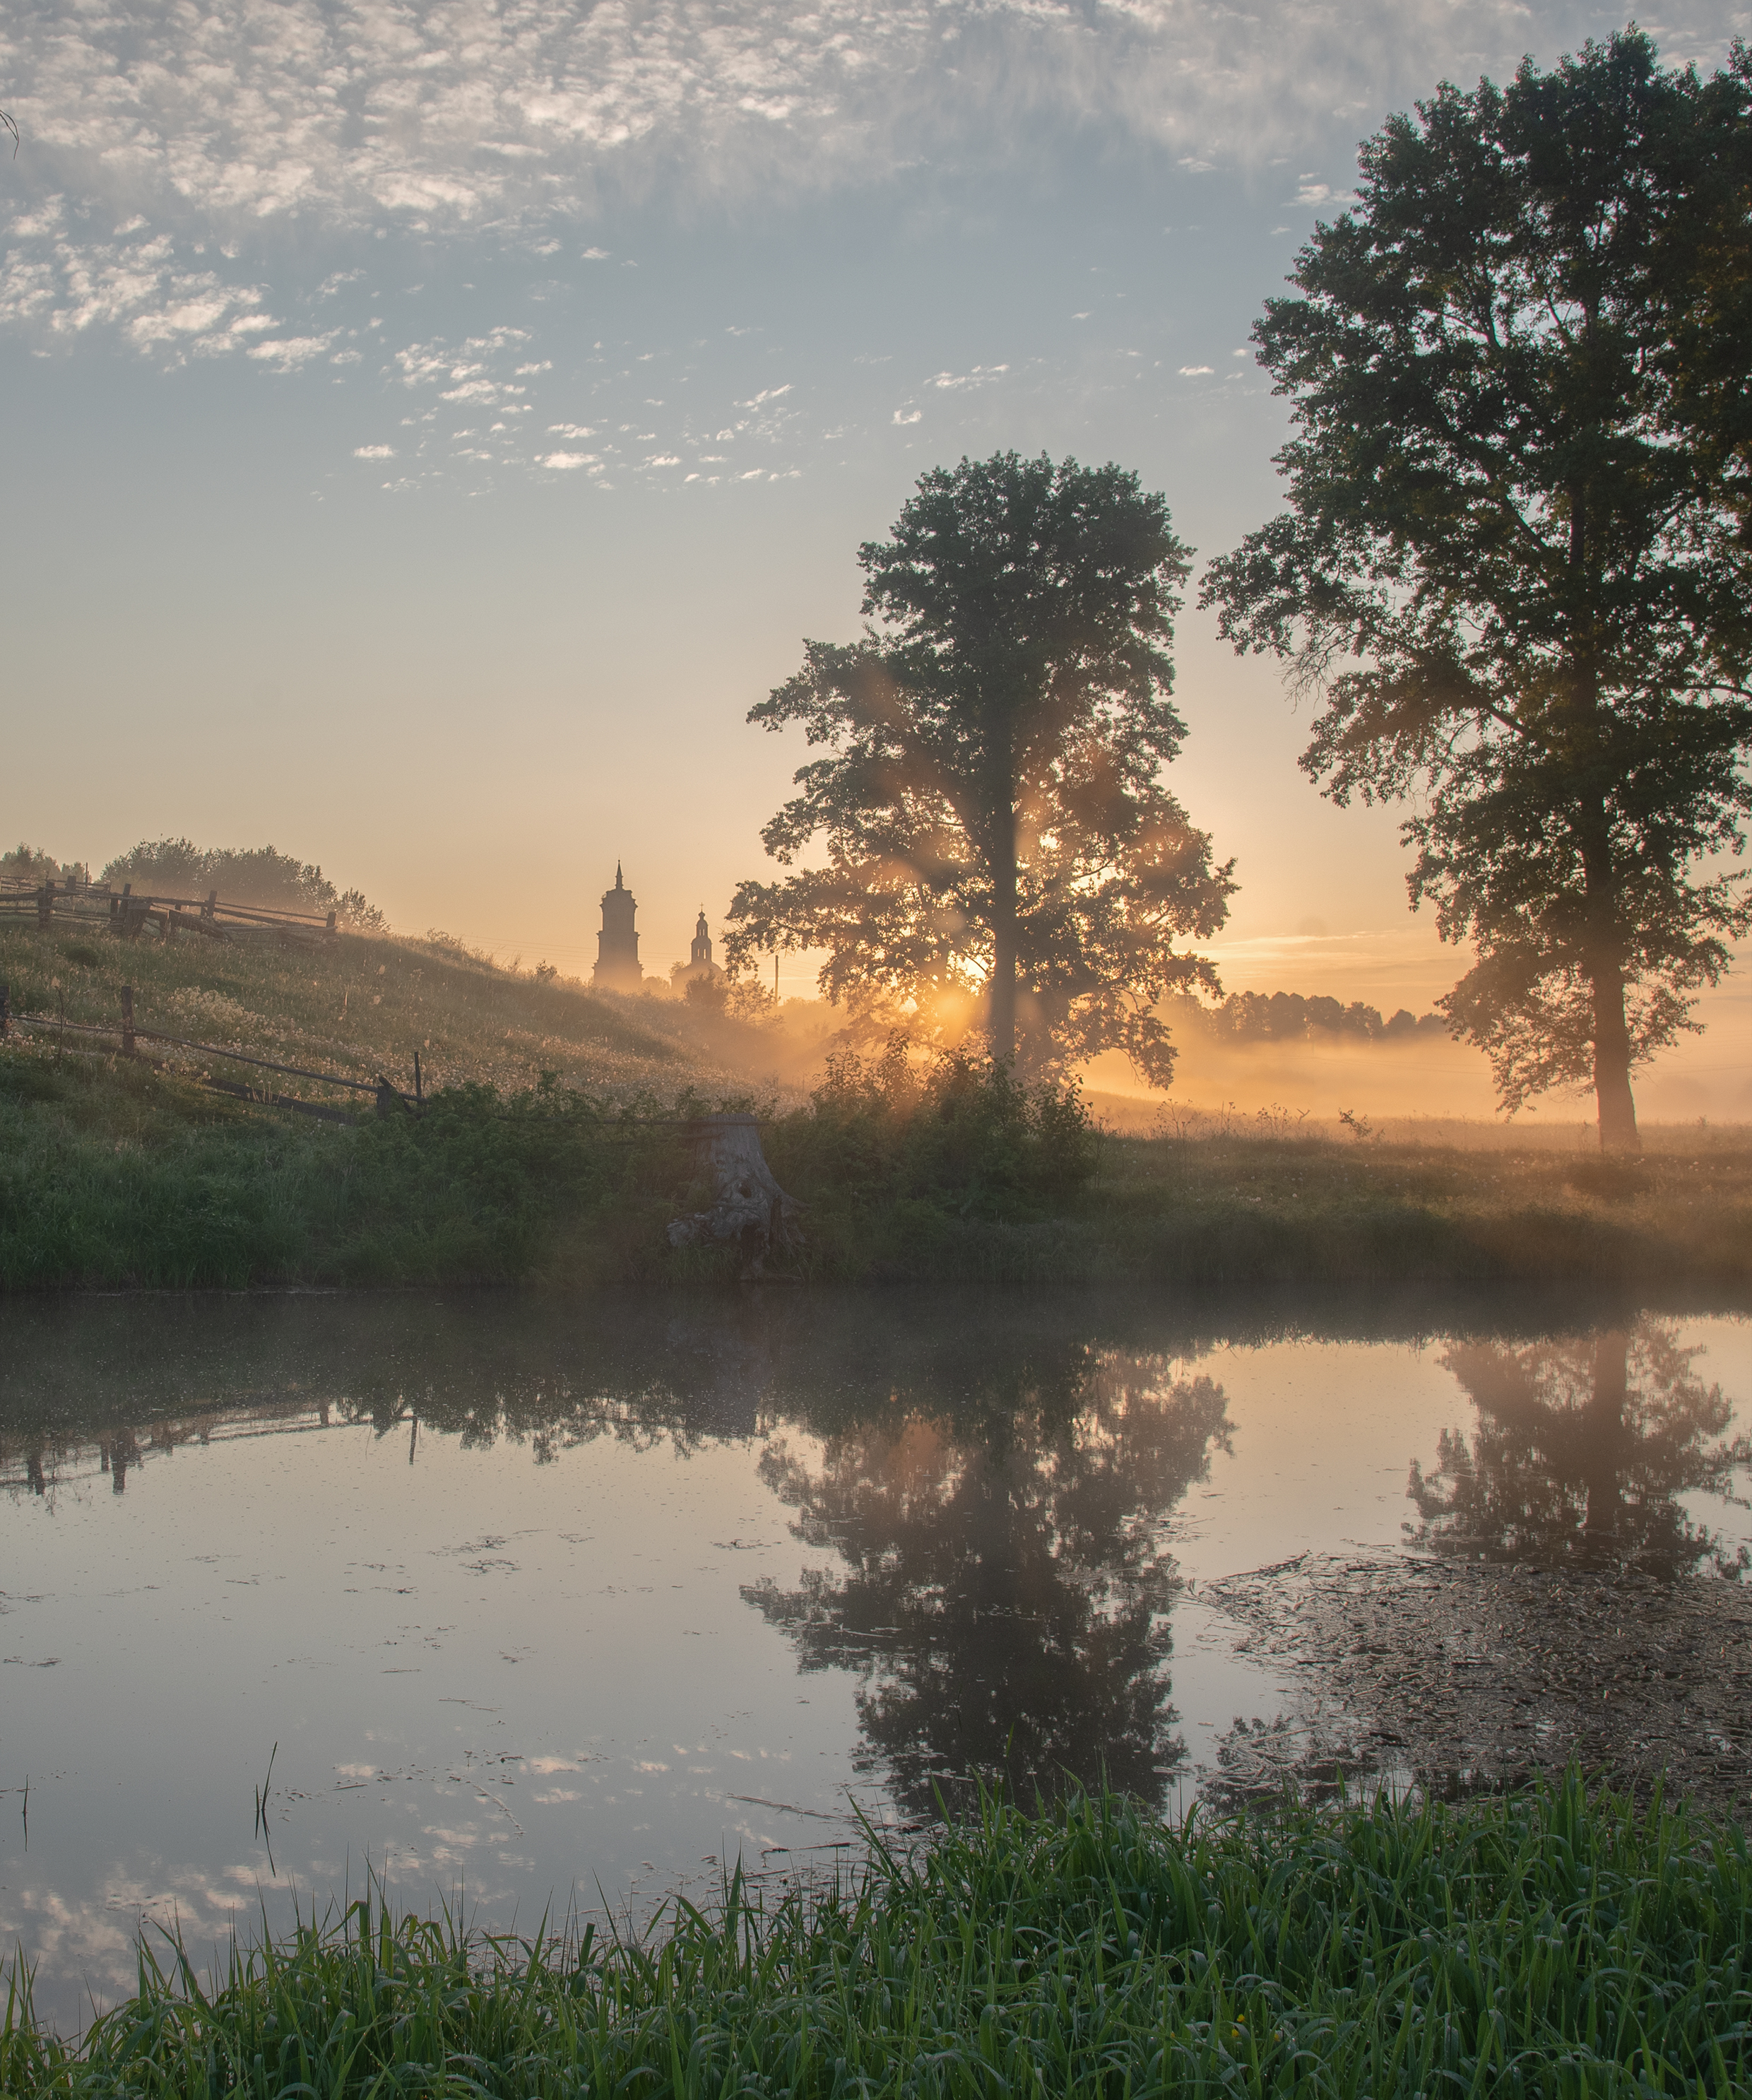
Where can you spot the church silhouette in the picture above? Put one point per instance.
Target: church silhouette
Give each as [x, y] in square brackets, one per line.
[618, 967]
[618, 944]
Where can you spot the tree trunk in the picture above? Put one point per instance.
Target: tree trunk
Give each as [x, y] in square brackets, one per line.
[1003, 989]
[1615, 1103]
[748, 1208]
[1612, 1066]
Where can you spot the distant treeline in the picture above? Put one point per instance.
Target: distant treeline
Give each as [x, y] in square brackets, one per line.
[1286, 1017]
[242, 875]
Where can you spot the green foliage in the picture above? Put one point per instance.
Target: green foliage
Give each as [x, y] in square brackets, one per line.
[28, 863]
[961, 1138]
[999, 847]
[117, 1176]
[1543, 1944]
[1515, 564]
[257, 875]
[1286, 1017]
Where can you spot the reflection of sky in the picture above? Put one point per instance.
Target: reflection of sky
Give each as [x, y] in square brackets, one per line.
[519, 1678]
[499, 395]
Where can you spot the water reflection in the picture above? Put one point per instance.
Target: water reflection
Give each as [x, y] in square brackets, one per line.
[616, 1590]
[1583, 1447]
[1003, 1586]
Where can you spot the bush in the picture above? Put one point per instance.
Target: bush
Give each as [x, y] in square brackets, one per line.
[961, 1136]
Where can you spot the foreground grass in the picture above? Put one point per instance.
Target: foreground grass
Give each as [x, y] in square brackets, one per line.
[1542, 1943]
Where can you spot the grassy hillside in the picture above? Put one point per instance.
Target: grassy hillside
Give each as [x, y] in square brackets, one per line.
[362, 1005]
[522, 1170]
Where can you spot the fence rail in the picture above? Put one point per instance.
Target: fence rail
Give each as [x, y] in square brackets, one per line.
[387, 1095]
[123, 912]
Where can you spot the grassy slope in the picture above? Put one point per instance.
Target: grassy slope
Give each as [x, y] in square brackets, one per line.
[364, 1006]
[111, 1174]
[1542, 1944]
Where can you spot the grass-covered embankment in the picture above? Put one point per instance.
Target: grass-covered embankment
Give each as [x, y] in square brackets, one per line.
[1545, 1943]
[114, 1173]
[117, 1174]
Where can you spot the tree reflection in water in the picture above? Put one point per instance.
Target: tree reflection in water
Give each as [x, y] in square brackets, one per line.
[1006, 1588]
[1583, 1446]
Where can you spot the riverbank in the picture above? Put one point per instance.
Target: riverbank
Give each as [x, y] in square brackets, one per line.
[117, 1174]
[1544, 1942]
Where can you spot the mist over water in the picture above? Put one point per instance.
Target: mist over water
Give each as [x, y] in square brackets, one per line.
[573, 1605]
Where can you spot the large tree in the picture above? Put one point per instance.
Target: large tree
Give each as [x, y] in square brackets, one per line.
[994, 837]
[1515, 562]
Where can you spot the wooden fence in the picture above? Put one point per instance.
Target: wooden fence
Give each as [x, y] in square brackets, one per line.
[130, 1036]
[96, 907]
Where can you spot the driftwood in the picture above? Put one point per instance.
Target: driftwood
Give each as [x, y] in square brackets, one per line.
[748, 1208]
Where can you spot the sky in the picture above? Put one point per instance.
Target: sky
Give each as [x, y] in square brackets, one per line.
[429, 430]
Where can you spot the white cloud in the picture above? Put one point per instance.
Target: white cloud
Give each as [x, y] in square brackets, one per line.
[982, 375]
[282, 131]
[460, 114]
[908, 415]
[374, 452]
[571, 430]
[564, 462]
[1196, 371]
[287, 353]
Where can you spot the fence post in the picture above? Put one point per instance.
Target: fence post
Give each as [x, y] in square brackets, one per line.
[127, 1021]
[331, 925]
[211, 906]
[44, 903]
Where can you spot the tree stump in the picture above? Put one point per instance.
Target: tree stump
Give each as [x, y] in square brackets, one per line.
[748, 1208]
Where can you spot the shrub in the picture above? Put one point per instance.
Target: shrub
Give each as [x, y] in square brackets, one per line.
[959, 1134]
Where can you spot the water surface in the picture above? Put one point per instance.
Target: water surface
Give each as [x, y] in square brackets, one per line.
[551, 1606]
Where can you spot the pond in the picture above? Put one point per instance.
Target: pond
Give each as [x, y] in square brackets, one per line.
[534, 1609]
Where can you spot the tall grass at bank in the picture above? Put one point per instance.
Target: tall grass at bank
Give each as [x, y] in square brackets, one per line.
[1545, 1943]
[113, 1175]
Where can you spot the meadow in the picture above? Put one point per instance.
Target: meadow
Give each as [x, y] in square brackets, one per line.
[543, 1156]
[1547, 1941]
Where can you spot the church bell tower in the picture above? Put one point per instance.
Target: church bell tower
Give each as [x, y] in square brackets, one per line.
[618, 944]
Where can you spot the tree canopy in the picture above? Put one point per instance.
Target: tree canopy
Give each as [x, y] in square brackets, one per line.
[1514, 563]
[996, 843]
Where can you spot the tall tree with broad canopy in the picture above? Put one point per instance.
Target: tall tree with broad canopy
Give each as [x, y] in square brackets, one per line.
[1515, 563]
[996, 839]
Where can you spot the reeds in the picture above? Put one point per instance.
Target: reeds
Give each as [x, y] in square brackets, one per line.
[1544, 1942]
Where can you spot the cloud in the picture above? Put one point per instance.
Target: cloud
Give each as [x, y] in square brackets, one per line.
[460, 115]
[374, 452]
[982, 375]
[182, 158]
[908, 415]
[287, 353]
[564, 462]
[1196, 371]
